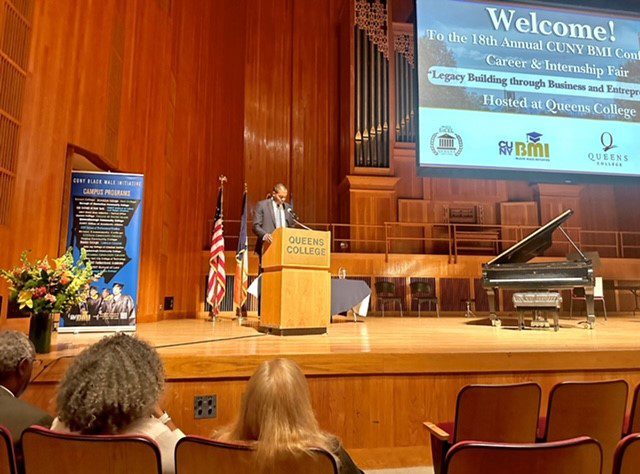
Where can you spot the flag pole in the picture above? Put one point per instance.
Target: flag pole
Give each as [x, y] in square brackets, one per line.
[242, 274]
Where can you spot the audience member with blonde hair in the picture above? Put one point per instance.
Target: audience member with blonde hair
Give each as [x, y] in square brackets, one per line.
[277, 415]
[114, 387]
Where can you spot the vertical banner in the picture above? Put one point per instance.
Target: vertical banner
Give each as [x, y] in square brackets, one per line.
[105, 218]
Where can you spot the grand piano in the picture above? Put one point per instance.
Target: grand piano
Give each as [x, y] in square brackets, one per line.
[511, 270]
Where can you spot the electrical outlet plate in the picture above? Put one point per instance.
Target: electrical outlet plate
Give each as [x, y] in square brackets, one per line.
[205, 406]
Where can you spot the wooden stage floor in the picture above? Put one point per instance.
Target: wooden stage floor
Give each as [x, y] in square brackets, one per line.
[387, 345]
[372, 383]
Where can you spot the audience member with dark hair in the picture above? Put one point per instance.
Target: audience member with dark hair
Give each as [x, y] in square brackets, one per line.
[277, 415]
[114, 387]
[16, 363]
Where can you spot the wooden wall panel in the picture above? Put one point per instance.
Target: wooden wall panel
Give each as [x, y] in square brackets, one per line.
[628, 217]
[413, 211]
[445, 189]
[595, 207]
[314, 131]
[67, 64]
[372, 202]
[517, 214]
[410, 185]
[452, 292]
[268, 94]
[142, 143]
[72, 98]
[228, 38]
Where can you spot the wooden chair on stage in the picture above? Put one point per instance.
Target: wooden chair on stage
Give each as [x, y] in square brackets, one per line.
[197, 455]
[633, 424]
[627, 456]
[47, 451]
[578, 455]
[386, 293]
[7, 457]
[577, 294]
[496, 413]
[595, 409]
[423, 292]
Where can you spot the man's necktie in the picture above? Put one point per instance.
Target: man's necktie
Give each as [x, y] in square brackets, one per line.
[278, 218]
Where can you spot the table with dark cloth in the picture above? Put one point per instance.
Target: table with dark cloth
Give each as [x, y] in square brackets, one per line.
[345, 295]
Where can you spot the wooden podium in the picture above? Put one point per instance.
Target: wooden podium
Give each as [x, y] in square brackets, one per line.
[296, 283]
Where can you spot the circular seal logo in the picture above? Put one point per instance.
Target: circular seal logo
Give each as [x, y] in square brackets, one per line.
[446, 142]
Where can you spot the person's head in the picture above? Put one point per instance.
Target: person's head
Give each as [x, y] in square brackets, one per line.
[109, 385]
[16, 361]
[276, 412]
[105, 292]
[279, 193]
[93, 292]
[117, 288]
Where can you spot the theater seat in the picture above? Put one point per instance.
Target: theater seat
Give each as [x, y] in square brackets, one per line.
[578, 455]
[47, 451]
[595, 409]
[7, 458]
[634, 419]
[197, 455]
[627, 457]
[496, 413]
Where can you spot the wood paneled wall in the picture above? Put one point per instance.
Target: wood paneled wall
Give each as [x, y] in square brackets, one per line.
[132, 83]
[292, 102]
[182, 92]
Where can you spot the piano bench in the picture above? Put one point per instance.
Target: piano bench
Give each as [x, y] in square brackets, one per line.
[537, 302]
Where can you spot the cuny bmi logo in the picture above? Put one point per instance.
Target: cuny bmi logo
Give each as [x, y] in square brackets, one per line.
[533, 148]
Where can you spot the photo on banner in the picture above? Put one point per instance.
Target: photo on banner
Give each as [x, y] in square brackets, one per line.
[105, 218]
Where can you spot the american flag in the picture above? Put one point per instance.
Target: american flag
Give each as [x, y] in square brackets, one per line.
[216, 285]
[241, 281]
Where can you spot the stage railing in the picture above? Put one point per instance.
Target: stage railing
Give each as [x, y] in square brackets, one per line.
[452, 239]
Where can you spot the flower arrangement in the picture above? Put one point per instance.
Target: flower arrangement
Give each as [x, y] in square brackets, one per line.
[42, 287]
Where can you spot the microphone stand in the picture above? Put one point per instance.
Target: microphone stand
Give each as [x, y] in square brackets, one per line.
[295, 219]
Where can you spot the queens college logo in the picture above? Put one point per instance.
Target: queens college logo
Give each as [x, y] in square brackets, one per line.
[446, 142]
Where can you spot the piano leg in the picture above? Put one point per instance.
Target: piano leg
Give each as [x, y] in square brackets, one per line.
[591, 313]
[491, 296]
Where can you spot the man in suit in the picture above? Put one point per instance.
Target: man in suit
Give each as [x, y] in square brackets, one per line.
[270, 214]
[16, 363]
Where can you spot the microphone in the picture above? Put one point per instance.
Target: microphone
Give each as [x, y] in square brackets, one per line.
[296, 219]
[293, 214]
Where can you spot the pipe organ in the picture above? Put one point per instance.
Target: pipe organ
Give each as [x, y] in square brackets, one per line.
[405, 85]
[371, 84]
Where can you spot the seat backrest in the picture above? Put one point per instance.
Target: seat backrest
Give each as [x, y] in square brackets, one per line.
[578, 455]
[47, 451]
[197, 455]
[421, 288]
[627, 457]
[385, 289]
[595, 409]
[634, 420]
[7, 458]
[498, 413]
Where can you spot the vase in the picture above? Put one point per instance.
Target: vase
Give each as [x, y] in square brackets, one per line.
[40, 328]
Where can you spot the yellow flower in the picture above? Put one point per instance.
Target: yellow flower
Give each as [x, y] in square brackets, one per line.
[24, 299]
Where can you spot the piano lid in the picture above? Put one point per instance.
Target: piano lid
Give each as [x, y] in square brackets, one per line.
[533, 244]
